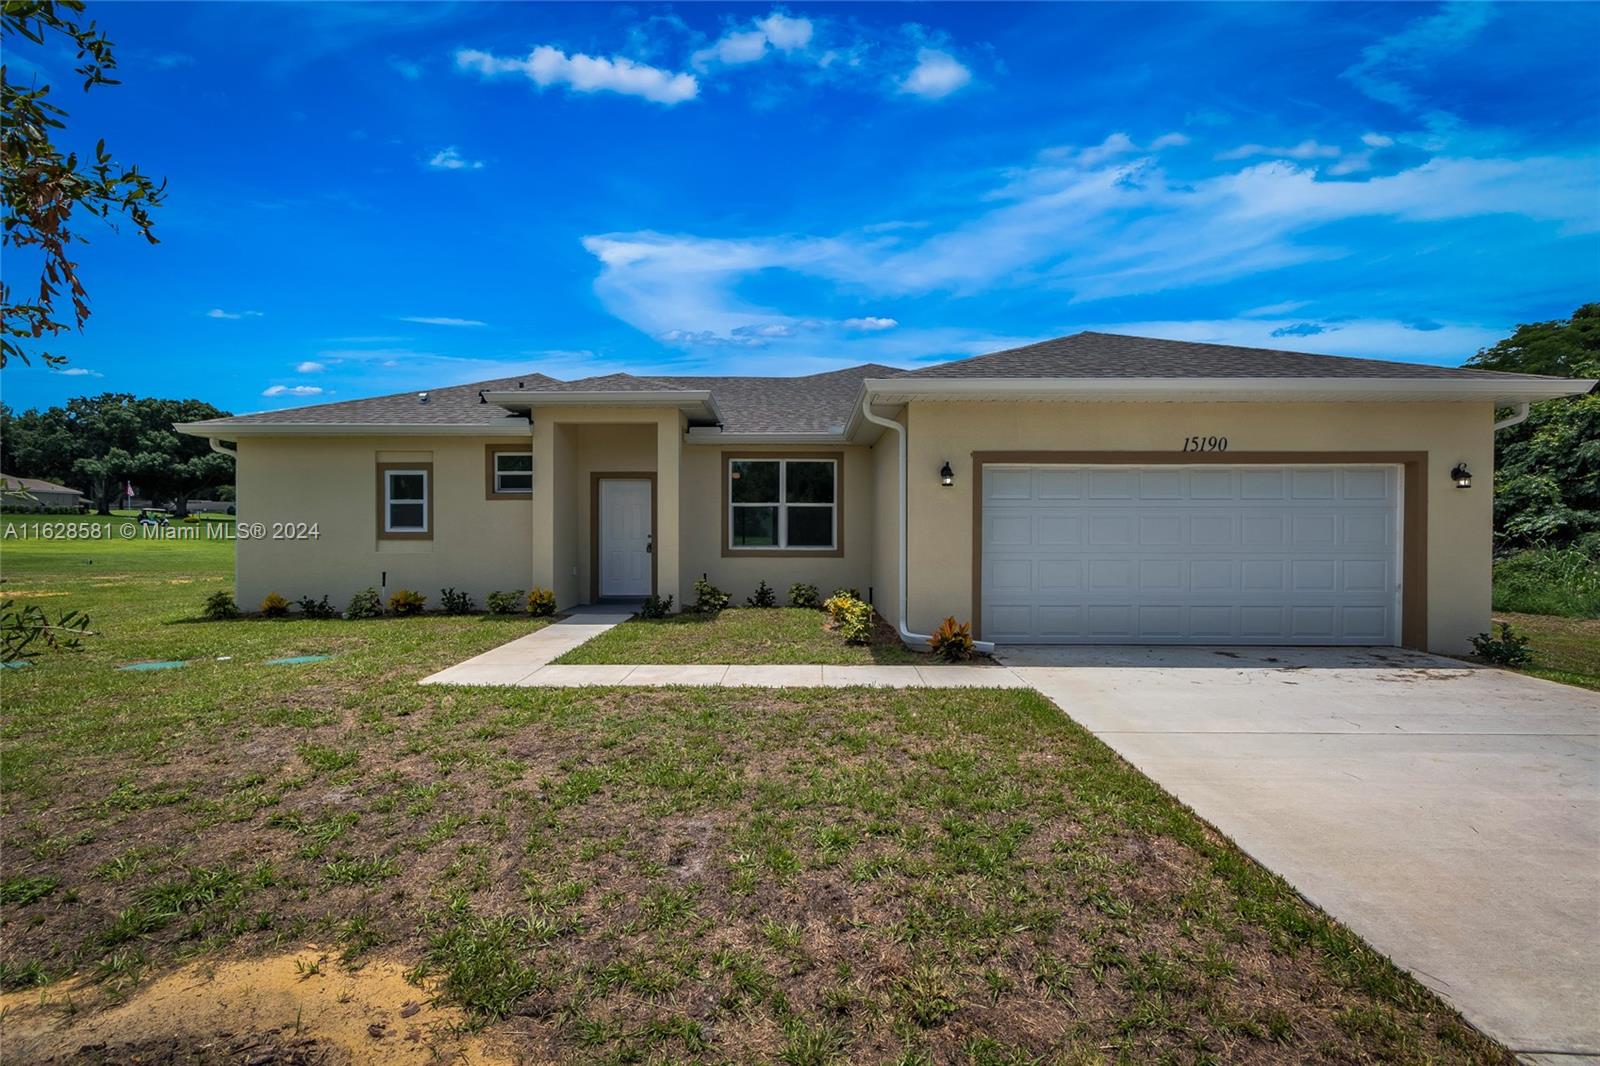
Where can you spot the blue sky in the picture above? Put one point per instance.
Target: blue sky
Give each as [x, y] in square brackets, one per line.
[371, 198]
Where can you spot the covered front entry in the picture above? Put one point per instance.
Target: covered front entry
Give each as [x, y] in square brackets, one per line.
[1191, 554]
[624, 535]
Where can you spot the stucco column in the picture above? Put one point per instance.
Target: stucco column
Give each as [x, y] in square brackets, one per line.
[669, 452]
[544, 503]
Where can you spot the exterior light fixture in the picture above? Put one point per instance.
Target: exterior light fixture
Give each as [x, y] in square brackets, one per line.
[1461, 476]
[947, 477]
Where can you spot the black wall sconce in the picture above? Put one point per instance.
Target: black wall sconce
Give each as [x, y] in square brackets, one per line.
[947, 477]
[1461, 476]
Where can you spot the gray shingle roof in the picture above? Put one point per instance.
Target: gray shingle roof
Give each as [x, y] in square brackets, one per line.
[1112, 355]
[11, 483]
[452, 405]
[822, 403]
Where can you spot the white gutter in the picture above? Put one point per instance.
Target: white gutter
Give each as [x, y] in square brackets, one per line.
[507, 427]
[1519, 415]
[216, 446]
[906, 636]
[716, 435]
[526, 399]
[1501, 390]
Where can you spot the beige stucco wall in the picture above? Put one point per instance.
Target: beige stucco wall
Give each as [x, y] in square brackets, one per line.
[703, 517]
[478, 544]
[1459, 521]
[570, 443]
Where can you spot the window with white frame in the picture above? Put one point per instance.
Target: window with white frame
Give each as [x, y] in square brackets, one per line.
[783, 504]
[405, 500]
[513, 472]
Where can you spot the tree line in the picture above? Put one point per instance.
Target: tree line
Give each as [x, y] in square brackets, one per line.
[97, 444]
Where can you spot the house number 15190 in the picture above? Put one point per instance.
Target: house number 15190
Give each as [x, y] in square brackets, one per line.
[1205, 444]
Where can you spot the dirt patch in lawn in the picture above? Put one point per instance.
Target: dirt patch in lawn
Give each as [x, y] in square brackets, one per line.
[298, 1007]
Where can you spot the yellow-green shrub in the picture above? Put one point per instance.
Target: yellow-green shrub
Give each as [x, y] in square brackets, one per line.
[952, 641]
[275, 606]
[407, 601]
[542, 602]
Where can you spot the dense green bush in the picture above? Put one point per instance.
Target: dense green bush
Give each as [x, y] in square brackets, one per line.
[708, 599]
[656, 606]
[406, 601]
[1564, 581]
[505, 602]
[541, 602]
[219, 606]
[804, 595]
[316, 608]
[764, 596]
[1507, 648]
[453, 602]
[365, 604]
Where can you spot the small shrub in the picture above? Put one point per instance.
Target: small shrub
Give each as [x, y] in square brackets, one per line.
[952, 642]
[1508, 648]
[656, 606]
[316, 608]
[764, 596]
[855, 622]
[219, 606]
[854, 594]
[542, 602]
[505, 602]
[708, 599]
[454, 602]
[803, 595]
[406, 601]
[275, 606]
[365, 604]
[835, 606]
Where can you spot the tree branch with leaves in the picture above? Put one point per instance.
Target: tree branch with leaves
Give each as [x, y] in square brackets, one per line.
[45, 187]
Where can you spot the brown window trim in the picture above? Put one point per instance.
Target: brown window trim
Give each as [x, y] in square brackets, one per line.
[383, 494]
[725, 517]
[489, 452]
[1413, 507]
[595, 477]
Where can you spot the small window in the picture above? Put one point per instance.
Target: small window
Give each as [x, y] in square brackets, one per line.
[513, 472]
[783, 504]
[405, 501]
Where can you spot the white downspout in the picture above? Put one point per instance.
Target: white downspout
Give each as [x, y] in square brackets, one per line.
[1519, 414]
[912, 639]
[218, 447]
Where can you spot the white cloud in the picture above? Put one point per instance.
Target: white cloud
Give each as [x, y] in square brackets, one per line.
[1116, 144]
[451, 159]
[869, 323]
[776, 31]
[1270, 310]
[936, 75]
[1092, 232]
[79, 372]
[309, 367]
[1377, 140]
[1169, 140]
[1386, 65]
[546, 66]
[405, 68]
[431, 320]
[231, 316]
[292, 390]
[1374, 338]
[1304, 150]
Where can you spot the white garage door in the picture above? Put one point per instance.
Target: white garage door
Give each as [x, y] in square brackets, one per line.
[1191, 554]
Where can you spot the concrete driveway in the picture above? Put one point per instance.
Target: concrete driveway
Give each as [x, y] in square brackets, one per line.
[1449, 815]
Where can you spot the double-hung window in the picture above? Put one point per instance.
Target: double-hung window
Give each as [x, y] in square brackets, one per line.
[788, 504]
[513, 472]
[407, 506]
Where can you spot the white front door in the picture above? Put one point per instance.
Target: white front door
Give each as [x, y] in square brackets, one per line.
[624, 537]
[1191, 555]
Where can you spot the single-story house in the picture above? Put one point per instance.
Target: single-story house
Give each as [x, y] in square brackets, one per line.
[36, 494]
[1095, 488]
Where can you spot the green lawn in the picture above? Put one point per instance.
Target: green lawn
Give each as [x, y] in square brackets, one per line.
[804, 876]
[1564, 649]
[739, 635]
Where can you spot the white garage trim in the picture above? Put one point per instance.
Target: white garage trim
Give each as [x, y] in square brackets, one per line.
[1247, 548]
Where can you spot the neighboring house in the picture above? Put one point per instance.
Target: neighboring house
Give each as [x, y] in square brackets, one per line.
[1095, 488]
[34, 494]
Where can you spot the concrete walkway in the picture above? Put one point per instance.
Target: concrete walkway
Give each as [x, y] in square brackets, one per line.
[526, 662]
[1448, 814]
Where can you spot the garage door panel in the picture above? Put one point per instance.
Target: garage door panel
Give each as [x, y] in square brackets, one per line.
[1301, 554]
